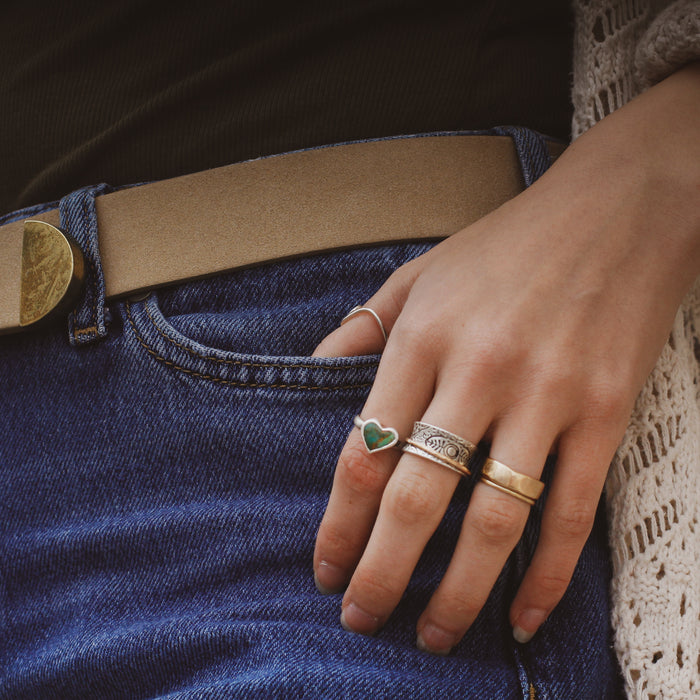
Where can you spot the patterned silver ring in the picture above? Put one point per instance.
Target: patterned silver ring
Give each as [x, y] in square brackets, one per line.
[440, 446]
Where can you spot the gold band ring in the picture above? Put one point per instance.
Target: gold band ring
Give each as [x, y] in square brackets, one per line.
[440, 446]
[520, 486]
[365, 309]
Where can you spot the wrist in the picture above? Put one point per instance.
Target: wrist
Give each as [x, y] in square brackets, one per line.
[648, 152]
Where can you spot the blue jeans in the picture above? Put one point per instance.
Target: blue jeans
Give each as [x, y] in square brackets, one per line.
[162, 478]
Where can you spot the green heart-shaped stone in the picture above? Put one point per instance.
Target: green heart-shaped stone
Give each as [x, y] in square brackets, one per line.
[377, 438]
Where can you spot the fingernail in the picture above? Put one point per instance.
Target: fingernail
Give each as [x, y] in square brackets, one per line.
[435, 640]
[329, 578]
[527, 624]
[354, 619]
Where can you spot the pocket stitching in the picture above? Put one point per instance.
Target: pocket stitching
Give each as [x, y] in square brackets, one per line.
[243, 363]
[230, 382]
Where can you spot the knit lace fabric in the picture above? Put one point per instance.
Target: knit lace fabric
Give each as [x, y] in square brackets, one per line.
[653, 487]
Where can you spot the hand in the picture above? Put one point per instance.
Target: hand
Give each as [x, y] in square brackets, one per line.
[534, 328]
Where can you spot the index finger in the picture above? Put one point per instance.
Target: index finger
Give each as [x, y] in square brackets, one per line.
[402, 389]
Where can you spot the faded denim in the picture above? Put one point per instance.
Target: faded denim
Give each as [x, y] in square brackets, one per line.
[162, 481]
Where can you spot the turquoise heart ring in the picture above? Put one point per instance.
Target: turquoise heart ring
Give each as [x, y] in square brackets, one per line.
[375, 436]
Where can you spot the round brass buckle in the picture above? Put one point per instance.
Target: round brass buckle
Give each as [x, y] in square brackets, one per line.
[53, 271]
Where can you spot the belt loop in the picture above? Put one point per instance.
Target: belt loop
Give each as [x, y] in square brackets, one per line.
[86, 323]
[532, 151]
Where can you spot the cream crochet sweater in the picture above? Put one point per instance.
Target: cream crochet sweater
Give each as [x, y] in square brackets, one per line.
[653, 488]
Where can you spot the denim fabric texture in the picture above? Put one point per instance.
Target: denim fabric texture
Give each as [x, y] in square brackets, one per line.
[161, 488]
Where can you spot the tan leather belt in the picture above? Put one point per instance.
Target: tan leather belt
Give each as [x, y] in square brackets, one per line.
[298, 203]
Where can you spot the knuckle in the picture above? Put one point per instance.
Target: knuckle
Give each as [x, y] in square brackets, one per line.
[456, 611]
[555, 378]
[483, 364]
[411, 498]
[575, 520]
[608, 403]
[551, 587]
[416, 332]
[375, 587]
[359, 471]
[401, 279]
[495, 354]
[340, 543]
[496, 523]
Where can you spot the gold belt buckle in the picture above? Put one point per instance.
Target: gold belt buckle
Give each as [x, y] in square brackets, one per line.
[53, 271]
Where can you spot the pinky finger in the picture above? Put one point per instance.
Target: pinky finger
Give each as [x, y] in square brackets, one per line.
[568, 519]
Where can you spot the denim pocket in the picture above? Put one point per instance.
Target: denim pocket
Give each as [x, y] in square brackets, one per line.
[256, 328]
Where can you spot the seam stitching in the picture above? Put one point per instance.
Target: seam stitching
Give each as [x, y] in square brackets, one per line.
[90, 292]
[242, 363]
[93, 266]
[85, 331]
[229, 382]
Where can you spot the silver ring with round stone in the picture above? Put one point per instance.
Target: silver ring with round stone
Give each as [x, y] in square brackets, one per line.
[375, 436]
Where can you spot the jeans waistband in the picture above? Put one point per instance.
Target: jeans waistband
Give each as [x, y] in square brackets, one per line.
[424, 186]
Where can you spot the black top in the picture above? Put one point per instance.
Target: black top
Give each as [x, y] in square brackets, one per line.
[140, 90]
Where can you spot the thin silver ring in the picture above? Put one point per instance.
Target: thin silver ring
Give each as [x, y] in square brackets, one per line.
[360, 309]
[425, 452]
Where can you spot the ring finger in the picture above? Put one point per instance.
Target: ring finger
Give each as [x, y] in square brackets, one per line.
[414, 501]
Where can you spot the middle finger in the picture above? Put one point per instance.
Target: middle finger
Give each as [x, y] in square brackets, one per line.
[413, 504]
